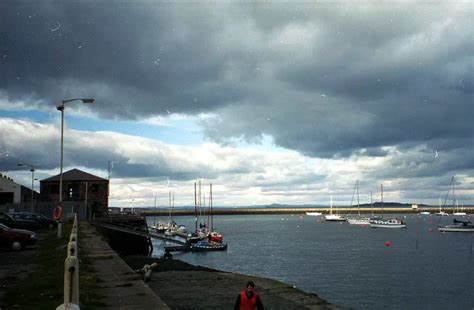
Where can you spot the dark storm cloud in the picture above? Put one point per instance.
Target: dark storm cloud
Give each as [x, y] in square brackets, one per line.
[379, 76]
[327, 80]
[135, 58]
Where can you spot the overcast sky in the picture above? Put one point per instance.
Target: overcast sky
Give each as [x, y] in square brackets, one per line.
[271, 102]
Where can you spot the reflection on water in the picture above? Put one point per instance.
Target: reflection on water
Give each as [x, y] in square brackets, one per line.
[347, 265]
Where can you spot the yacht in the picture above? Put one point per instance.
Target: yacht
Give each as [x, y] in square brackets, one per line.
[386, 223]
[458, 226]
[359, 220]
[334, 217]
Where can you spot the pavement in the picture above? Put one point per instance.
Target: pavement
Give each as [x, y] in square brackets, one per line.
[120, 287]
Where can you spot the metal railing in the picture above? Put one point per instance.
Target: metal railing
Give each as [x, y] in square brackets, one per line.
[71, 272]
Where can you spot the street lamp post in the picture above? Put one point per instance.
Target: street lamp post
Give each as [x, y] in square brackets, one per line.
[61, 109]
[32, 169]
[111, 165]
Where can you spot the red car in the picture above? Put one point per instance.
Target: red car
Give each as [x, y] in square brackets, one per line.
[16, 239]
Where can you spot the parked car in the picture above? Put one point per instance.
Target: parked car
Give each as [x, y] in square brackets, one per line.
[9, 221]
[16, 239]
[41, 219]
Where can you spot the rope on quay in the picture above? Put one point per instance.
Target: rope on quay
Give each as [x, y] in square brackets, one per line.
[71, 272]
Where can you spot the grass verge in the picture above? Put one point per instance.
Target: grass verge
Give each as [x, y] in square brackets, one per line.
[44, 285]
[43, 288]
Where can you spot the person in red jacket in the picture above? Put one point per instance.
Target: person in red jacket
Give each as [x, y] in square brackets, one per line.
[248, 299]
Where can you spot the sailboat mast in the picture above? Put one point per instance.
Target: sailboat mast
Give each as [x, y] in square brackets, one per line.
[371, 204]
[154, 216]
[195, 208]
[169, 203]
[200, 201]
[358, 206]
[210, 205]
[381, 194]
[331, 206]
[453, 192]
[208, 213]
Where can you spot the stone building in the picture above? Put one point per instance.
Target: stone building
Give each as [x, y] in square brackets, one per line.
[83, 193]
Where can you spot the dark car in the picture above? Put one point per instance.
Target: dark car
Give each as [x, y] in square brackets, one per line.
[41, 219]
[16, 239]
[9, 221]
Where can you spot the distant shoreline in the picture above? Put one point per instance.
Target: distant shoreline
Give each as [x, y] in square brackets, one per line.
[345, 210]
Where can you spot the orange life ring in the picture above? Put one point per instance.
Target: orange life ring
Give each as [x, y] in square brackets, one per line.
[57, 213]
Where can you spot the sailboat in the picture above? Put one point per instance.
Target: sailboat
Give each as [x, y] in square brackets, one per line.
[459, 211]
[213, 234]
[441, 212]
[359, 220]
[458, 226]
[159, 226]
[456, 211]
[210, 239]
[334, 217]
[386, 223]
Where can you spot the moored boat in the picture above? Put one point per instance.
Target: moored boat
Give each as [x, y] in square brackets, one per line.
[215, 237]
[387, 223]
[334, 217]
[160, 227]
[204, 245]
[458, 226]
[314, 213]
[359, 220]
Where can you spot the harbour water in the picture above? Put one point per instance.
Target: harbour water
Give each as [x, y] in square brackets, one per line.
[348, 265]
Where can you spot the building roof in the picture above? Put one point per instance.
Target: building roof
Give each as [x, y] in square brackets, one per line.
[75, 175]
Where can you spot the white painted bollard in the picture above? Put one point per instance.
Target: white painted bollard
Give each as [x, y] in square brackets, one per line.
[73, 237]
[72, 248]
[71, 284]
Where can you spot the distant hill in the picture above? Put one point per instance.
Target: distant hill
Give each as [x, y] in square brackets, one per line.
[289, 206]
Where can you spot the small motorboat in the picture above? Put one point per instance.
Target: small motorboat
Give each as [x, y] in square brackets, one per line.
[387, 223]
[205, 246]
[314, 213]
[215, 237]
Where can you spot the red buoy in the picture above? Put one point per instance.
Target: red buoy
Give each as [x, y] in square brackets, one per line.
[387, 243]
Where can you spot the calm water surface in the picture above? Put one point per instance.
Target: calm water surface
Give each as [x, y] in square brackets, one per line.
[349, 265]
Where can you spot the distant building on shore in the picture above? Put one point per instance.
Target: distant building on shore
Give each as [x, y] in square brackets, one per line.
[10, 192]
[14, 196]
[83, 193]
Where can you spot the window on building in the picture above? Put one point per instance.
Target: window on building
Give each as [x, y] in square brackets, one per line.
[73, 191]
